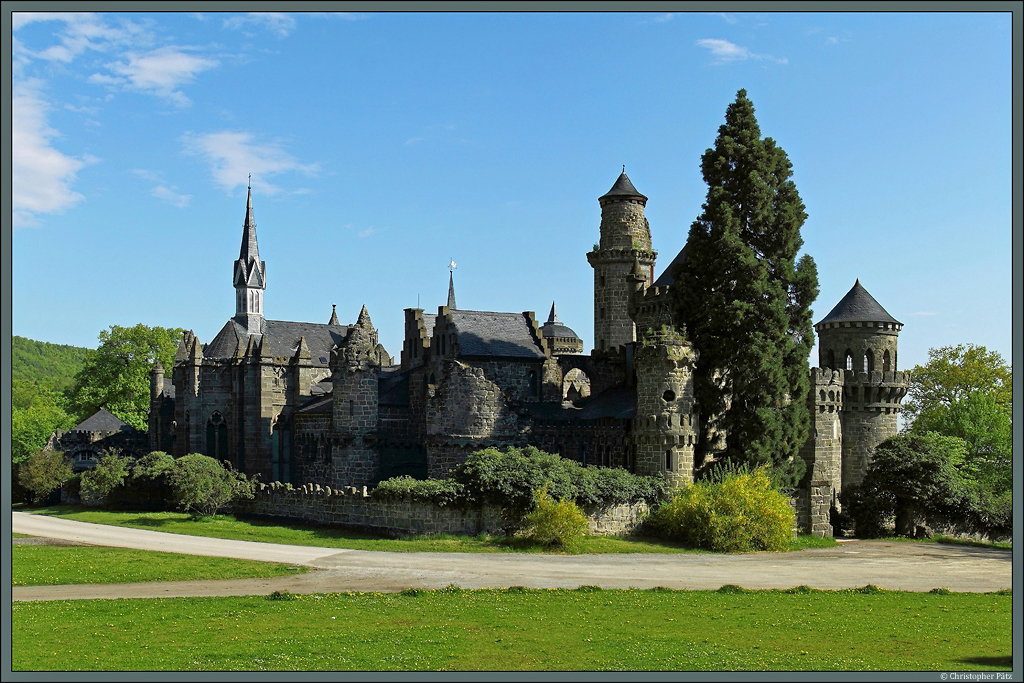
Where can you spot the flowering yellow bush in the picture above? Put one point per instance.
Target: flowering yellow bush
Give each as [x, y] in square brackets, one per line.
[741, 513]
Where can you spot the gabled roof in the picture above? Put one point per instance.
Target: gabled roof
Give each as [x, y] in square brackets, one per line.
[858, 306]
[502, 335]
[666, 279]
[622, 187]
[283, 337]
[102, 421]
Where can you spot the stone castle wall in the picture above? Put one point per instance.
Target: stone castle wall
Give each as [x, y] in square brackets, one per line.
[354, 507]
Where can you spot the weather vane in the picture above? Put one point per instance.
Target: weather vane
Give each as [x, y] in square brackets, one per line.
[451, 265]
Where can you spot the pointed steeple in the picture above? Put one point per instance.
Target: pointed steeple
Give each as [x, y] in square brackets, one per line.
[364, 318]
[552, 316]
[334, 316]
[249, 275]
[250, 250]
[451, 291]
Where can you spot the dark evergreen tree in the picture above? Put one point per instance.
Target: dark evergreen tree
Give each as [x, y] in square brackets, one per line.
[744, 300]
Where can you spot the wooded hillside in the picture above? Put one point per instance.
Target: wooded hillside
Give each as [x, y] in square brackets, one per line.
[50, 366]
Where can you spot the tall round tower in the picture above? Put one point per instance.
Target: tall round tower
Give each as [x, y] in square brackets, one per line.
[858, 337]
[625, 238]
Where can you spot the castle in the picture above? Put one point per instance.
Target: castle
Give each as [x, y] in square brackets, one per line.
[324, 402]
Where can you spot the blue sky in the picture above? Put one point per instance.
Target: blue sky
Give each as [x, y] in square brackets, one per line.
[383, 145]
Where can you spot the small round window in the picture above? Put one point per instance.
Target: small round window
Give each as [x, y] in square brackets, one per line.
[669, 395]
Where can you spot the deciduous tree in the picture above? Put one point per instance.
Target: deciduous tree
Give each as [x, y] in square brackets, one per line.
[116, 377]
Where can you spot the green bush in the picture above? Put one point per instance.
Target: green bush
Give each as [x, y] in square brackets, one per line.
[148, 485]
[507, 480]
[440, 492]
[912, 480]
[44, 472]
[743, 512]
[551, 523]
[106, 475]
[202, 486]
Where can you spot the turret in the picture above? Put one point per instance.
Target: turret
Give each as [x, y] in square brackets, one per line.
[663, 433]
[625, 239]
[354, 371]
[249, 276]
[858, 338]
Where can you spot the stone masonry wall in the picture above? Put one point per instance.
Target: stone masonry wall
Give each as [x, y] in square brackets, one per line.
[354, 507]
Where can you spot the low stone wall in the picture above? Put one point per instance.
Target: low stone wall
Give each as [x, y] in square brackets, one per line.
[355, 508]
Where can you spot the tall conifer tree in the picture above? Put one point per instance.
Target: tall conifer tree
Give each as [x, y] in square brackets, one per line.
[745, 300]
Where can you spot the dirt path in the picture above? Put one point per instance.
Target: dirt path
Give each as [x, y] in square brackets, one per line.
[889, 565]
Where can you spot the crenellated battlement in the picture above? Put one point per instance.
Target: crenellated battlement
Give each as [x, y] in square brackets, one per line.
[877, 378]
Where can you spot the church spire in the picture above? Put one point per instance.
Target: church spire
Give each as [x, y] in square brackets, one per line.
[552, 316]
[334, 316]
[249, 274]
[451, 292]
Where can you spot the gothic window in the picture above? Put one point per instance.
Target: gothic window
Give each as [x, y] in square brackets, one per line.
[531, 379]
[832, 360]
[869, 361]
[886, 362]
[217, 437]
[849, 360]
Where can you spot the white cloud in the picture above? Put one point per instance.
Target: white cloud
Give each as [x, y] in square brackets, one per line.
[277, 22]
[168, 195]
[724, 52]
[924, 313]
[233, 156]
[157, 72]
[366, 233]
[82, 31]
[163, 190]
[41, 175]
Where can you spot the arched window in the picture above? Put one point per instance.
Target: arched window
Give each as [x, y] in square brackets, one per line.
[886, 365]
[849, 360]
[217, 437]
[832, 360]
[531, 380]
[575, 385]
[869, 361]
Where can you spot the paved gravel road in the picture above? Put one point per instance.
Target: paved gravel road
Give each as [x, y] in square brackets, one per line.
[894, 566]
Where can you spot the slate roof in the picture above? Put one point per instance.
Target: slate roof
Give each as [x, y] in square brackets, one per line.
[102, 421]
[622, 187]
[318, 404]
[858, 306]
[393, 388]
[554, 327]
[666, 279]
[283, 336]
[489, 334]
[618, 402]
[428, 323]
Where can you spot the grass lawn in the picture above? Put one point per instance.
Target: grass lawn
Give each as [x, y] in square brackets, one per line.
[45, 565]
[582, 629]
[226, 526]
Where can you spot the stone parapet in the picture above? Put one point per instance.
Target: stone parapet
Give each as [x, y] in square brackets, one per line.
[355, 507]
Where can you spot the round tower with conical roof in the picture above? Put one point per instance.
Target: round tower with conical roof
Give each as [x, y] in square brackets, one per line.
[858, 338]
[625, 239]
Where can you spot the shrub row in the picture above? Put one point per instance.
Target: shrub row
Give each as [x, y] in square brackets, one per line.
[509, 480]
